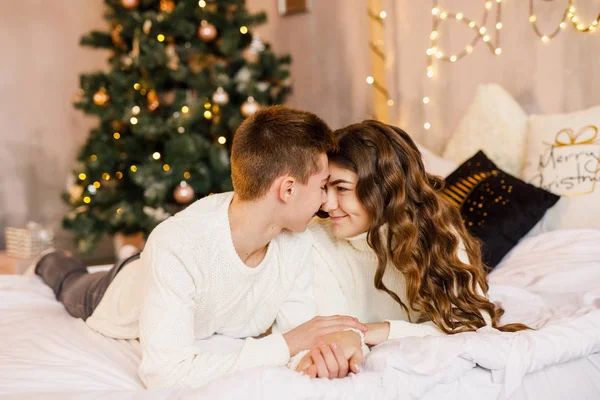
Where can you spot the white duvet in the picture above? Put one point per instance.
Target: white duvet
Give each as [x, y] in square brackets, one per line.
[550, 282]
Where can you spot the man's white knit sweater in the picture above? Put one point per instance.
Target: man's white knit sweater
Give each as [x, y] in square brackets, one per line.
[190, 284]
[344, 283]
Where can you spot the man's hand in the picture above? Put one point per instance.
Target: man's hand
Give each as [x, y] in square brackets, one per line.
[307, 335]
[334, 357]
[378, 332]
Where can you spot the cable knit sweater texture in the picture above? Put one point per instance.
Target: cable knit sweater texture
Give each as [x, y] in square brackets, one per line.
[344, 283]
[191, 285]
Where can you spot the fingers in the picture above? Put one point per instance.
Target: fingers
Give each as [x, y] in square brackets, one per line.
[330, 361]
[341, 360]
[304, 363]
[355, 361]
[319, 362]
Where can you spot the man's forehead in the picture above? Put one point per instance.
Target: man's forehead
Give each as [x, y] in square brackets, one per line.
[324, 167]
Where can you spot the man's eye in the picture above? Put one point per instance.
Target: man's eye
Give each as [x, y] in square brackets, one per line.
[324, 188]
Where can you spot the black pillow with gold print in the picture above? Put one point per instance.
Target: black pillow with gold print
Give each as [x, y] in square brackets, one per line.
[496, 207]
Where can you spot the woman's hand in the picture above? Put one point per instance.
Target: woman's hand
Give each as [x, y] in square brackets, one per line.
[334, 357]
[378, 332]
[308, 335]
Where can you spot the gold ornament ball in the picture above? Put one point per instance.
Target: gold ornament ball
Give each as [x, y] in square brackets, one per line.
[212, 7]
[220, 96]
[172, 57]
[101, 97]
[115, 35]
[207, 31]
[147, 26]
[153, 100]
[167, 6]
[183, 193]
[249, 107]
[168, 97]
[75, 192]
[130, 4]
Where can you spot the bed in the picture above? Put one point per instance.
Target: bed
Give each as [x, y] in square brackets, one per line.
[550, 281]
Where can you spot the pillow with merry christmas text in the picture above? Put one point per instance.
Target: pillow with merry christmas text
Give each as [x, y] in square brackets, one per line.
[562, 155]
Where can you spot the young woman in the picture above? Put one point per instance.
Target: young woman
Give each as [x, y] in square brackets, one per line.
[393, 253]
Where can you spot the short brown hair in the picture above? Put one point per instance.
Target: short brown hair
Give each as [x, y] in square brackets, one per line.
[275, 141]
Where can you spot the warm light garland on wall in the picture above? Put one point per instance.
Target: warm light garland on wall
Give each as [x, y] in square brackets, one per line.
[481, 34]
[490, 38]
[570, 15]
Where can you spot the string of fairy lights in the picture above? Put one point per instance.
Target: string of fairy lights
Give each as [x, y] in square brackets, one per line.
[570, 15]
[491, 38]
[481, 34]
[378, 50]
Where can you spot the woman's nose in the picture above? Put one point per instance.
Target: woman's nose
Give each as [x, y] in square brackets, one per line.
[330, 203]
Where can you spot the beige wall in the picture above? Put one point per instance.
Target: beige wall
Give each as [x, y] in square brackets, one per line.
[40, 132]
[330, 56]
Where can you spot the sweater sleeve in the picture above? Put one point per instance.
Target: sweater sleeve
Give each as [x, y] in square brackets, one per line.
[328, 297]
[400, 329]
[300, 305]
[170, 354]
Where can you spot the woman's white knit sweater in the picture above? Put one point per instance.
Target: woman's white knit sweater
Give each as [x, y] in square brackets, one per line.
[344, 283]
[190, 285]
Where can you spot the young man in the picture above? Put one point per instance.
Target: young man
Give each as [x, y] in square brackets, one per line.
[230, 264]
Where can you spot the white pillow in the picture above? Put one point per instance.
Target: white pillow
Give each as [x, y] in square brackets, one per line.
[563, 156]
[494, 123]
[435, 164]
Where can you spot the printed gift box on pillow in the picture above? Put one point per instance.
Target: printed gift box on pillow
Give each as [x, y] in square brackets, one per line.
[563, 157]
[569, 166]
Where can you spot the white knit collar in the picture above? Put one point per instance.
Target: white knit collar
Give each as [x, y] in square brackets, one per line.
[359, 242]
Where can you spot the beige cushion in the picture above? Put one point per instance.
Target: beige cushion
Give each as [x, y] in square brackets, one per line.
[494, 123]
[563, 156]
[435, 164]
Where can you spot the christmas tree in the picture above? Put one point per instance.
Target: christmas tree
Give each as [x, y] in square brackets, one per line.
[182, 76]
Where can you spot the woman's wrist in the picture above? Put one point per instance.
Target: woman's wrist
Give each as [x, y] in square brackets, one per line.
[377, 332]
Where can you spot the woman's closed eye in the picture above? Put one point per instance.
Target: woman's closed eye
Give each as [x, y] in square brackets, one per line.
[342, 189]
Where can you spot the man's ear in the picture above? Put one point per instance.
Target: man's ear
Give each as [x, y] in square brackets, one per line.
[287, 188]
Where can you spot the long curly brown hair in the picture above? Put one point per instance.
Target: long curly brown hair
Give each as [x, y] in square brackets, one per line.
[423, 232]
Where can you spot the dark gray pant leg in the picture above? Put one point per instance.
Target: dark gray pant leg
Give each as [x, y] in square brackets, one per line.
[77, 289]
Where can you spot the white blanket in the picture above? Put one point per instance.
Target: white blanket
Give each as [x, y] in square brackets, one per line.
[550, 282]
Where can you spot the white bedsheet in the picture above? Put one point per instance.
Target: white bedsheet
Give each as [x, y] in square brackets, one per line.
[551, 282]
